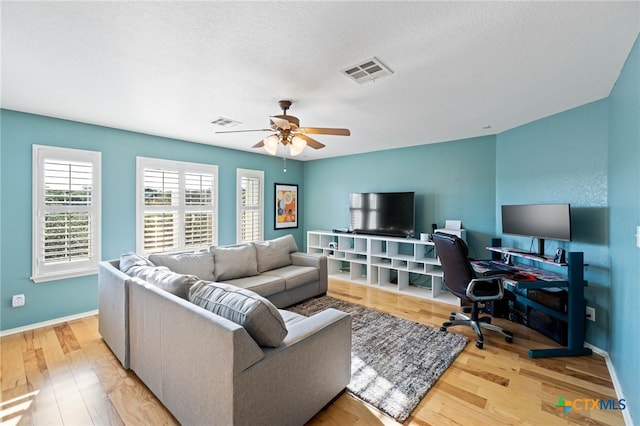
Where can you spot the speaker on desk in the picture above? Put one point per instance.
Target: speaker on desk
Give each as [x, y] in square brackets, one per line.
[560, 256]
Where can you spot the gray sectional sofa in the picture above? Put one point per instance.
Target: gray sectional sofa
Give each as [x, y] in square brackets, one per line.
[214, 347]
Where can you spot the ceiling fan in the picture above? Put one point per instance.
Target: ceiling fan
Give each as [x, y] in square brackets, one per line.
[288, 132]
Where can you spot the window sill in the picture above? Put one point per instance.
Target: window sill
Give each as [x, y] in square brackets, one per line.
[63, 275]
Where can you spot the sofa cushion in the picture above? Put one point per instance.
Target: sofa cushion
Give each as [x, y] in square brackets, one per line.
[164, 278]
[264, 285]
[132, 259]
[274, 253]
[257, 315]
[199, 264]
[296, 276]
[234, 262]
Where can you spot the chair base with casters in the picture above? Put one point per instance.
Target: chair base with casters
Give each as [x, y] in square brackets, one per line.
[461, 280]
[477, 323]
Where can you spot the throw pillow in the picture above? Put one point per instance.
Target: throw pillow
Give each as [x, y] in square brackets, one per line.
[199, 264]
[161, 276]
[274, 253]
[234, 262]
[132, 259]
[257, 315]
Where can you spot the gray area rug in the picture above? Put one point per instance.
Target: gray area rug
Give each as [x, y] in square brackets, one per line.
[394, 361]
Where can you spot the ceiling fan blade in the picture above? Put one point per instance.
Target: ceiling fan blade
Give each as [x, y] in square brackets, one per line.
[280, 122]
[259, 144]
[325, 131]
[243, 131]
[310, 142]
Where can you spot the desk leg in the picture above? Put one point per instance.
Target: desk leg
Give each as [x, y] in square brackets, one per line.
[575, 314]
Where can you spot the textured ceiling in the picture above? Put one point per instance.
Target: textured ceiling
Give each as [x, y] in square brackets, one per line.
[170, 68]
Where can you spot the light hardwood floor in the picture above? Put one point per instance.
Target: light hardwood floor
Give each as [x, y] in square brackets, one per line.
[65, 374]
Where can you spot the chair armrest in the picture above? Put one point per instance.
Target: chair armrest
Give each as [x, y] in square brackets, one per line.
[471, 288]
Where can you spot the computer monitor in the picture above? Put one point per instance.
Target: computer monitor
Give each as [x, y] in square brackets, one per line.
[541, 221]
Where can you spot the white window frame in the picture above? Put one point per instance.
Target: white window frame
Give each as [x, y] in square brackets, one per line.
[182, 168]
[240, 208]
[67, 268]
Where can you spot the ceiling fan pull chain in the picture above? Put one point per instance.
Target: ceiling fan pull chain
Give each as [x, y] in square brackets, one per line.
[284, 168]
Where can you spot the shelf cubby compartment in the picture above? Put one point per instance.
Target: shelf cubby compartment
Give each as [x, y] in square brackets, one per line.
[356, 257]
[416, 267]
[389, 263]
[377, 247]
[425, 251]
[336, 254]
[338, 268]
[360, 245]
[381, 261]
[385, 276]
[399, 264]
[358, 272]
[401, 249]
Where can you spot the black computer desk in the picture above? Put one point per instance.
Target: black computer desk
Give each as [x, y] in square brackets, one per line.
[538, 278]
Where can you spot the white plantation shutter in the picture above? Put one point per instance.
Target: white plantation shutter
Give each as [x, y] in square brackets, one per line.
[176, 206]
[198, 212]
[161, 219]
[250, 205]
[66, 203]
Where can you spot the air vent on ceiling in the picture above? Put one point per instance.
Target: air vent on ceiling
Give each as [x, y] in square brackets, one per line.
[225, 122]
[369, 70]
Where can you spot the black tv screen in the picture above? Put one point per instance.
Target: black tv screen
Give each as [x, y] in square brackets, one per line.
[545, 221]
[382, 213]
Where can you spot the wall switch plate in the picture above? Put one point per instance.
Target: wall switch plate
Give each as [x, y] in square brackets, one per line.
[590, 313]
[17, 300]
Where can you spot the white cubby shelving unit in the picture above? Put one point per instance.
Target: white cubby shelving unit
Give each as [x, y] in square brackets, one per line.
[384, 262]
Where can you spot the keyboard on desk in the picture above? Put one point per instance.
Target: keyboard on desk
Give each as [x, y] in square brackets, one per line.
[495, 268]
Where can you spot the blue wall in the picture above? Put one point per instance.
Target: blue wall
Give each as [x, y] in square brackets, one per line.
[563, 159]
[453, 180]
[55, 299]
[624, 214]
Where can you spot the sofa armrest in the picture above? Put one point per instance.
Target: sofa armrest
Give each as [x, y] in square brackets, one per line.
[113, 309]
[314, 260]
[309, 326]
[299, 377]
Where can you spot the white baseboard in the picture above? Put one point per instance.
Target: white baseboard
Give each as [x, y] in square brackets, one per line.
[47, 323]
[626, 414]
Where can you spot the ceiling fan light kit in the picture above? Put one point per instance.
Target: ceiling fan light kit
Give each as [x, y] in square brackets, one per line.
[289, 132]
[271, 144]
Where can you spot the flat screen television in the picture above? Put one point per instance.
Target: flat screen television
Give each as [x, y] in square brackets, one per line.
[382, 213]
[541, 221]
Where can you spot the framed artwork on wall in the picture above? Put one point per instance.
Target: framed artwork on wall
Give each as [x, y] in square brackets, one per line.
[286, 206]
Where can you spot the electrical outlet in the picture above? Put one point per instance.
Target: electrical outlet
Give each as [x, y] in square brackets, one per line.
[17, 300]
[590, 313]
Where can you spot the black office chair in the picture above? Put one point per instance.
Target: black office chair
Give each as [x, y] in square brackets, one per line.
[461, 280]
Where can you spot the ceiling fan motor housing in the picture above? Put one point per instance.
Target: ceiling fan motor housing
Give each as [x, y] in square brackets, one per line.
[294, 123]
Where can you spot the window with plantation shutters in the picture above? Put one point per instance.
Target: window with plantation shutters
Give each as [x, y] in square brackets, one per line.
[250, 211]
[66, 212]
[176, 208]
